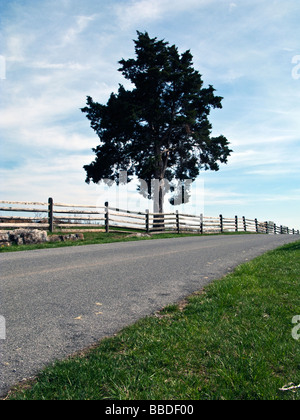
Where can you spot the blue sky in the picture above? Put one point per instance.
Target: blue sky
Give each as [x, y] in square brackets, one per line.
[53, 53]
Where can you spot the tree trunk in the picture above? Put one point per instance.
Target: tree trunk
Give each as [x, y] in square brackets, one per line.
[158, 205]
[159, 190]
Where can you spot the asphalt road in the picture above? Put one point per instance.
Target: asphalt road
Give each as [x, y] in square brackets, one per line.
[58, 301]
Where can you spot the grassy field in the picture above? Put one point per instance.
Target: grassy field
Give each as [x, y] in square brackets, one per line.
[231, 341]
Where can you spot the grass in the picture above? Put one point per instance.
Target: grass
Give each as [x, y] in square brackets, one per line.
[92, 238]
[231, 341]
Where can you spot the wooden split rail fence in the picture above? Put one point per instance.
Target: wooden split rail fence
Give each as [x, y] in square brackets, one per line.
[67, 217]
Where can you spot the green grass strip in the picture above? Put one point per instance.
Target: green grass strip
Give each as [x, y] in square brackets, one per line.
[231, 341]
[96, 238]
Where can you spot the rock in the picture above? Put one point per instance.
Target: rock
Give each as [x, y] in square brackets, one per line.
[34, 236]
[54, 238]
[138, 235]
[4, 237]
[27, 236]
[4, 243]
[18, 240]
[63, 238]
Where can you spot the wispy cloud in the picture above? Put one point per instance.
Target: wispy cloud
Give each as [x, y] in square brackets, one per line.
[59, 66]
[81, 23]
[135, 12]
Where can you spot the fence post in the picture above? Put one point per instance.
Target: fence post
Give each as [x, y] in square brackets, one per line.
[245, 224]
[50, 214]
[275, 229]
[177, 221]
[147, 220]
[106, 217]
[236, 221]
[221, 223]
[256, 225]
[267, 227]
[201, 224]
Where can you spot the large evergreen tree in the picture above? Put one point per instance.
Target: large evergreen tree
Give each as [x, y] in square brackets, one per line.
[160, 128]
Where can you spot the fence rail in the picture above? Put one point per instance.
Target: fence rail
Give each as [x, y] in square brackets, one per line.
[60, 216]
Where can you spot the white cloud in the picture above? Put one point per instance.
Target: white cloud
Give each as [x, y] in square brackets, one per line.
[36, 112]
[15, 49]
[232, 6]
[57, 139]
[81, 23]
[137, 11]
[224, 197]
[58, 66]
[33, 181]
[58, 52]
[276, 171]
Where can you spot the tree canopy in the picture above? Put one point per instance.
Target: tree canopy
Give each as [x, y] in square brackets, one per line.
[159, 129]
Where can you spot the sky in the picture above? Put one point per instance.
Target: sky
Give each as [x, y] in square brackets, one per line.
[55, 53]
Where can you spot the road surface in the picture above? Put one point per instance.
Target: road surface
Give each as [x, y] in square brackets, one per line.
[58, 301]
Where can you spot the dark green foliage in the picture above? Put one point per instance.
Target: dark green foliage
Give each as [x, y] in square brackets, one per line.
[159, 129]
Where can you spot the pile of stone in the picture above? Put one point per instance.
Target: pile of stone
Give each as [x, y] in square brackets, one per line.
[34, 236]
[62, 238]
